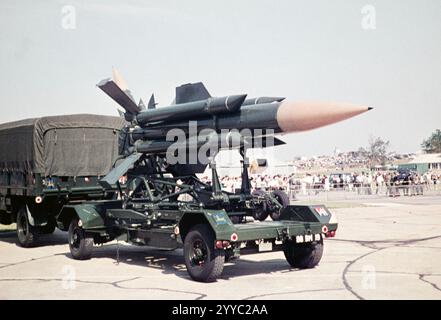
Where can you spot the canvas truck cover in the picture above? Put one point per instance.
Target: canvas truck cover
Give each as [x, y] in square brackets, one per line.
[69, 145]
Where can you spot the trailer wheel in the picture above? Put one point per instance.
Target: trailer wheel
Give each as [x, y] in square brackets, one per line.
[80, 244]
[303, 255]
[283, 199]
[203, 261]
[26, 234]
[260, 212]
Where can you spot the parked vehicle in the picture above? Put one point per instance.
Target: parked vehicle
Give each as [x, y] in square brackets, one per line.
[48, 162]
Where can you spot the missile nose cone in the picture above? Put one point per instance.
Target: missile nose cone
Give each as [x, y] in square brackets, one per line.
[118, 79]
[233, 103]
[303, 116]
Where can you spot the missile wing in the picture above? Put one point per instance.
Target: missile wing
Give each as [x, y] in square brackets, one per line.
[120, 97]
[113, 176]
[117, 89]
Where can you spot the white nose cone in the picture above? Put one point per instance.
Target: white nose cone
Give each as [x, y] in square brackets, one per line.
[303, 116]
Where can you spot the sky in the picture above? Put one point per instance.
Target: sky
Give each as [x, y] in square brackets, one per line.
[304, 50]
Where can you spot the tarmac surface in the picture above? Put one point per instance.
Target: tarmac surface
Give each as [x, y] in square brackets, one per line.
[384, 249]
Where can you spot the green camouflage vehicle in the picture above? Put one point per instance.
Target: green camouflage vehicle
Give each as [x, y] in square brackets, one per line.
[48, 162]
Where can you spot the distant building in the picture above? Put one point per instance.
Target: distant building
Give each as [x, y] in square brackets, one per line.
[423, 163]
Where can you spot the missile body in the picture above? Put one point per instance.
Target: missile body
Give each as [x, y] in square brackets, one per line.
[192, 110]
[279, 117]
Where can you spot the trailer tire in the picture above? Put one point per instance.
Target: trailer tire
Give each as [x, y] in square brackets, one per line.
[283, 199]
[203, 261]
[26, 234]
[303, 255]
[80, 244]
[260, 213]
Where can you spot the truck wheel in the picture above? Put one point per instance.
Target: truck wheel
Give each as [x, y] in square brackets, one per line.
[80, 244]
[283, 199]
[260, 212]
[26, 234]
[303, 255]
[203, 261]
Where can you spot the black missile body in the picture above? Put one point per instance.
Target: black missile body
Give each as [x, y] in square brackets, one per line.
[192, 110]
[262, 116]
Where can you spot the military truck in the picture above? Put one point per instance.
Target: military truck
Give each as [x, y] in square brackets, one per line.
[48, 162]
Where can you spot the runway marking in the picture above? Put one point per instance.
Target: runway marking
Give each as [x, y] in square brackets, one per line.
[363, 243]
[434, 285]
[5, 265]
[115, 284]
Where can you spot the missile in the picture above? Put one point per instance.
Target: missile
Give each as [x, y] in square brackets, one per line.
[225, 117]
[193, 102]
[281, 117]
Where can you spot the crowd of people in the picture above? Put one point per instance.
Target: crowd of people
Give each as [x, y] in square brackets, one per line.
[391, 183]
[340, 161]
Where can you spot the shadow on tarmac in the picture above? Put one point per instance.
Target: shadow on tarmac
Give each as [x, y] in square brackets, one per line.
[172, 262]
[56, 238]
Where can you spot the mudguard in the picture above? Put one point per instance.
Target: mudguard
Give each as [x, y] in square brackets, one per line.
[88, 213]
[217, 219]
[313, 213]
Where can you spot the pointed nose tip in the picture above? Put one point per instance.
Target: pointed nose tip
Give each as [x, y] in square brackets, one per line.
[303, 116]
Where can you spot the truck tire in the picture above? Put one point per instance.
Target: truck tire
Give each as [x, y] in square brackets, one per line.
[303, 255]
[26, 234]
[283, 199]
[260, 213]
[80, 244]
[203, 261]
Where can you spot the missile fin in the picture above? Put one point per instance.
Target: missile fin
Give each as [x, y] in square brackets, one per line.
[152, 103]
[120, 112]
[113, 176]
[191, 92]
[141, 105]
[121, 97]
